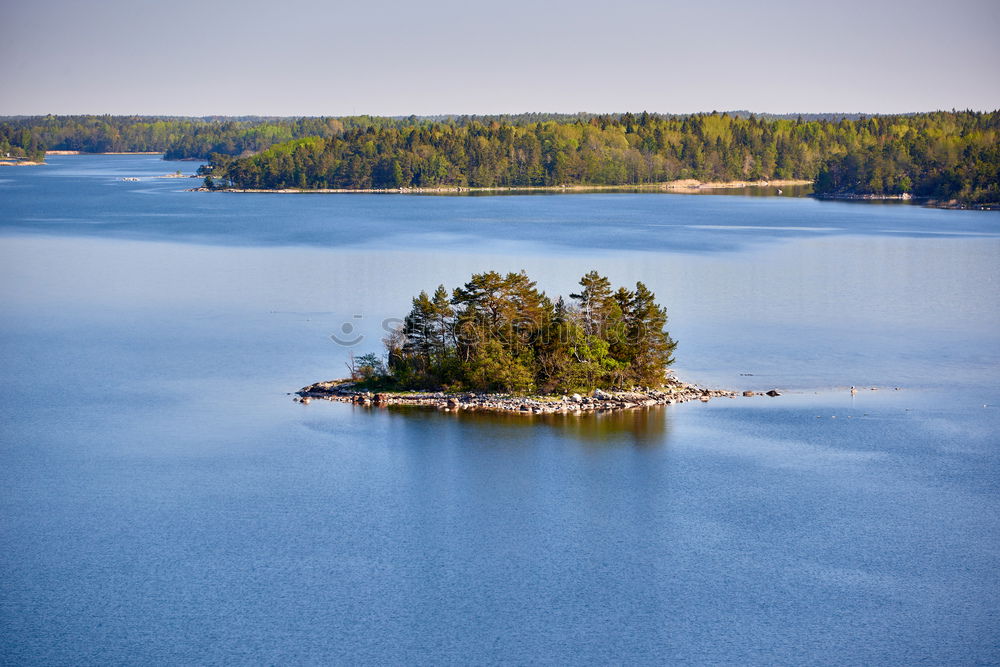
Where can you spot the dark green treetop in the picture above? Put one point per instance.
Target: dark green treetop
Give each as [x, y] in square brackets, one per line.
[500, 333]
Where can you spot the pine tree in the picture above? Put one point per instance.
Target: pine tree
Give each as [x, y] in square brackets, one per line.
[418, 327]
[653, 347]
[594, 300]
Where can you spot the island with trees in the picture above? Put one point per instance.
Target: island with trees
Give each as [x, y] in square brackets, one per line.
[498, 343]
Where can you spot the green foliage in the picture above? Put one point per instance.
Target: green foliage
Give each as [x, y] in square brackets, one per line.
[940, 156]
[177, 138]
[937, 154]
[499, 333]
[368, 366]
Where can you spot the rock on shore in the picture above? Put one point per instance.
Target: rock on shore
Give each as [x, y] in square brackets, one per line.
[598, 401]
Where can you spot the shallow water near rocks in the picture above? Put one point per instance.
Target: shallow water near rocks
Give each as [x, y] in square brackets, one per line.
[163, 500]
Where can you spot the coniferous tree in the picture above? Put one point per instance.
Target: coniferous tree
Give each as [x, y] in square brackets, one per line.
[500, 333]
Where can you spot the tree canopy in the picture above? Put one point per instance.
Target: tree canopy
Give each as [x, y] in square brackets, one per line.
[500, 333]
[940, 155]
[943, 155]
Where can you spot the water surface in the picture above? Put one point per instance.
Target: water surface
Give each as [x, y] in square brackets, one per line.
[165, 501]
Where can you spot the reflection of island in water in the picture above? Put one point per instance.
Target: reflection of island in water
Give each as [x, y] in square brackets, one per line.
[645, 426]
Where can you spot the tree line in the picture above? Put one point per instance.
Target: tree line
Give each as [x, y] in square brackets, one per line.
[500, 333]
[182, 138]
[943, 155]
[939, 155]
[177, 138]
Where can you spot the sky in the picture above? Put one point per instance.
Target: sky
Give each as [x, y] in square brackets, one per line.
[302, 57]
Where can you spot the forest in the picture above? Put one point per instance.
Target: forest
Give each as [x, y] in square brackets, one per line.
[184, 138]
[177, 138]
[940, 156]
[499, 333]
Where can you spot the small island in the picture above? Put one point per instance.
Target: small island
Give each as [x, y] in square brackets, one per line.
[497, 343]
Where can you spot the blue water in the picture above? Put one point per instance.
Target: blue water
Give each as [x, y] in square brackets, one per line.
[162, 500]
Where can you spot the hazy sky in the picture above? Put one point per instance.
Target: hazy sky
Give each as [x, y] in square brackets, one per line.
[299, 57]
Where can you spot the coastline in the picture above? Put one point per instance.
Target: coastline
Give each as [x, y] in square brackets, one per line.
[952, 204]
[688, 185]
[7, 162]
[906, 196]
[598, 401]
[955, 205]
[105, 153]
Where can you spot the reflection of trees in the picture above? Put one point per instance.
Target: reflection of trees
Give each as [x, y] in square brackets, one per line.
[641, 426]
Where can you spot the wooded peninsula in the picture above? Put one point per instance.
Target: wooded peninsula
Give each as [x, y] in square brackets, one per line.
[947, 157]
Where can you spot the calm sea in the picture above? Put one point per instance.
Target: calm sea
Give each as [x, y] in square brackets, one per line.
[163, 501]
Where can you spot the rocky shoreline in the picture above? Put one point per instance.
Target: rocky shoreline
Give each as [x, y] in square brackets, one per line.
[104, 153]
[673, 392]
[852, 196]
[923, 201]
[685, 186]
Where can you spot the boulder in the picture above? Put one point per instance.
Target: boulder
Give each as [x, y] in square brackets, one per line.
[774, 392]
[748, 393]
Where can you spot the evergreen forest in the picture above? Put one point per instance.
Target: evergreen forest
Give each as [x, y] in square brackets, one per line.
[938, 156]
[499, 333]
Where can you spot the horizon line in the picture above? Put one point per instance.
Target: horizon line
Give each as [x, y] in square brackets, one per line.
[498, 114]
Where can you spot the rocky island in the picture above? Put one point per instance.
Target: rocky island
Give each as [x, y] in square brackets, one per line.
[671, 393]
[499, 344]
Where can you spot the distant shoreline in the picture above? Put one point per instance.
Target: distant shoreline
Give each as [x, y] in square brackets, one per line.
[104, 153]
[688, 185]
[864, 197]
[952, 204]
